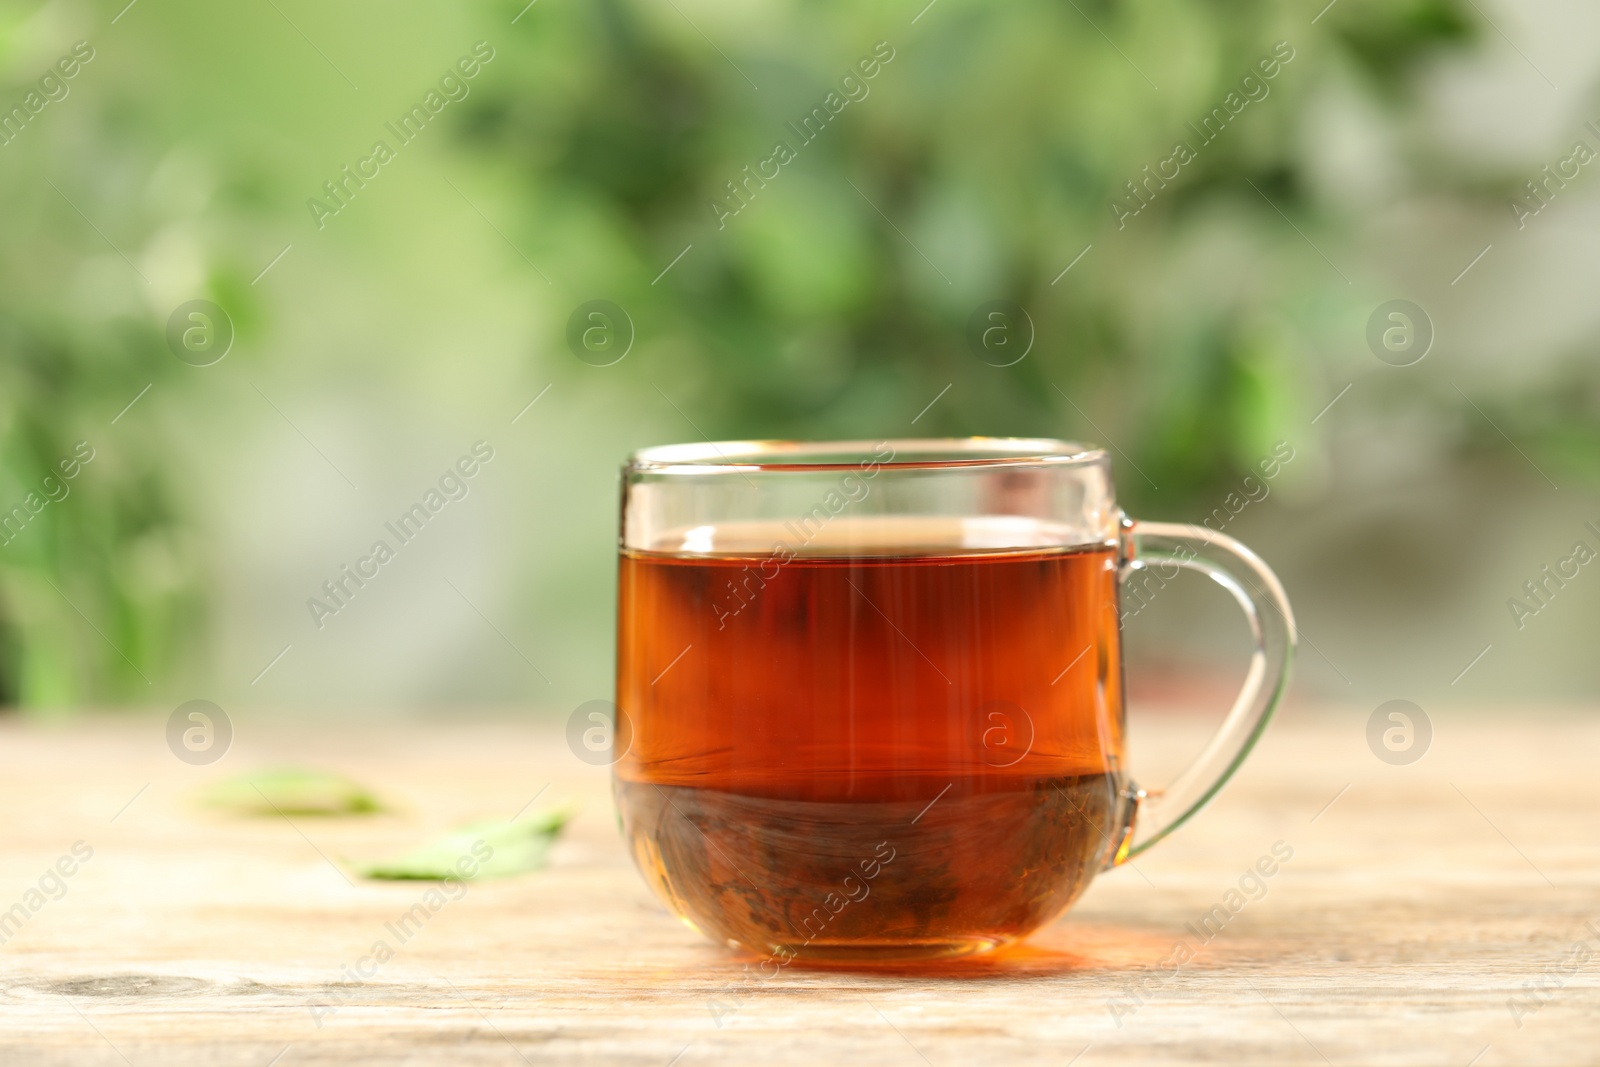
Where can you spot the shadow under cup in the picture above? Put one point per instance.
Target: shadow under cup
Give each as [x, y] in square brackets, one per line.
[875, 701]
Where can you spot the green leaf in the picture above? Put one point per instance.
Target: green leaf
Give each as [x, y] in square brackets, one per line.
[492, 849]
[292, 791]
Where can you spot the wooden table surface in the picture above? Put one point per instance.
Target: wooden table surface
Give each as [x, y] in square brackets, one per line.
[1436, 913]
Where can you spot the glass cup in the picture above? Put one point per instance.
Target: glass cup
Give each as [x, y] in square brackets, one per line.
[870, 694]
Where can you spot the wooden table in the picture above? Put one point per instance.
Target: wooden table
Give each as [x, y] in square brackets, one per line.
[1434, 913]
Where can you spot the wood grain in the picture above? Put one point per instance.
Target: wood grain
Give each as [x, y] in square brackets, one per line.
[1418, 905]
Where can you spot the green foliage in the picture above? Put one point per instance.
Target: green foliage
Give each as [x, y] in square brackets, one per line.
[490, 849]
[99, 588]
[1388, 39]
[292, 791]
[831, 298]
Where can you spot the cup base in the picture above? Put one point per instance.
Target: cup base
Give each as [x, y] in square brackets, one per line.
[900, 951]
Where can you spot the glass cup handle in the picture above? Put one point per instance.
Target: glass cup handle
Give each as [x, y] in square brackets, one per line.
[1152, 554]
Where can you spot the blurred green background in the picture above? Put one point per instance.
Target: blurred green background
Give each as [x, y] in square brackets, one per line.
[588, 156]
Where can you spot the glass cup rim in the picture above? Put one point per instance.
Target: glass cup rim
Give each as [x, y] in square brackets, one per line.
[932, 453]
